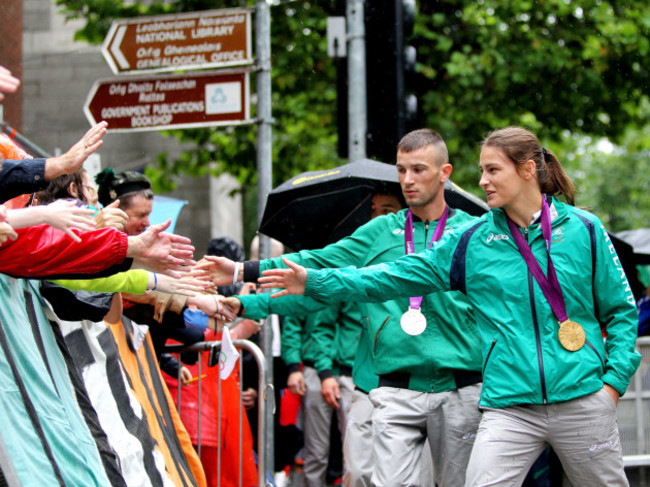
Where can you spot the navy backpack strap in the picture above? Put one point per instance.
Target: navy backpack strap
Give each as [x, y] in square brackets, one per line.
[457, 273]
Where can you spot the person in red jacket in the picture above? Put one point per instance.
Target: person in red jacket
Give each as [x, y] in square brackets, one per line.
[45, 251]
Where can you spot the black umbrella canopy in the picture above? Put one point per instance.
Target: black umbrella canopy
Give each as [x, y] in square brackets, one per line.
[316, 208]
[639, 239]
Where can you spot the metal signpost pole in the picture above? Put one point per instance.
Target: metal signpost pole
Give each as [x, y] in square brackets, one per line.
[357, 111]
[264, 183]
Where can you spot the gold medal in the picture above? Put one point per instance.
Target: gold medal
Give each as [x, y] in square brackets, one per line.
[571, 335]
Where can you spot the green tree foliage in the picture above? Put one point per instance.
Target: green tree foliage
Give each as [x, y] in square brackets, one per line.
[550, 66]
[571, 71]
[612, 181]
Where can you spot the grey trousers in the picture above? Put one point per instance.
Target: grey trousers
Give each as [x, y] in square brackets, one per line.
[357, 447]
[403, 419]
[316, 424]
[583, 432]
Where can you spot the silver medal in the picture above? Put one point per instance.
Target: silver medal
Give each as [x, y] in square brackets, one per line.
[413, 322]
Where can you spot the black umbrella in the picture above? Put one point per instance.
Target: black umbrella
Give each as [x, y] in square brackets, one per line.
[629, 259]
[316, 208]
[639, 239]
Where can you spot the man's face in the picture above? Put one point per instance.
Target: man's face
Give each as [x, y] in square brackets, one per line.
[384, 204]
[138, 212]
[420, 176]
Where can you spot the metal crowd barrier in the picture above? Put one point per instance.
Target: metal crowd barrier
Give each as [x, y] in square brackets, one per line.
[634, 419]
[263, 391]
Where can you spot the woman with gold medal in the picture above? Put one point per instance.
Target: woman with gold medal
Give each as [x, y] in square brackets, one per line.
[545, 283]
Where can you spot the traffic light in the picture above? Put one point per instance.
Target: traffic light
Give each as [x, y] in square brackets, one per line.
[390, 62]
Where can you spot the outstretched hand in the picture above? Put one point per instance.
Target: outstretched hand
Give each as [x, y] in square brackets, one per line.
[65, 215]
[292, 280]
[220, 270]
[161, 252]
[186, 285]
[73, 159]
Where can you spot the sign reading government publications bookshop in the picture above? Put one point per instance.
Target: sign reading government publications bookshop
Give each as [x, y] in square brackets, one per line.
[207, 39]
[196, 99]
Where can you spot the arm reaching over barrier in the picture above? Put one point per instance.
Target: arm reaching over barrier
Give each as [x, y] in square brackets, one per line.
[220, 270]
[162, 252]
[62, 214]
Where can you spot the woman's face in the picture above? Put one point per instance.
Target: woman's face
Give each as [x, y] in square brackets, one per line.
[502, 183]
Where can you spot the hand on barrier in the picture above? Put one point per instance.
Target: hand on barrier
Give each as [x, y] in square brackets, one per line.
[249, 398]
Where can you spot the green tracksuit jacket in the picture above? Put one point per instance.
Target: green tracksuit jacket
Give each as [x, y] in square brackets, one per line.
[523, 361]
[448, 348]
[331, 340]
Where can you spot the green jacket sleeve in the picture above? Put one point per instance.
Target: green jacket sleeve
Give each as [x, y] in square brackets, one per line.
[616, 310]
[291, 342]
[410, 275]
[327, 322]
[259, 306]
[133, 281]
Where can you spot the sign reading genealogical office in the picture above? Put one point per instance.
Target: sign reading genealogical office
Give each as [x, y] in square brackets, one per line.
[197, 99]
[207, 39]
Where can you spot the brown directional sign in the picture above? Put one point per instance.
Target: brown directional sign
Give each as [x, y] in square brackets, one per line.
[198, 99]
[208, 39]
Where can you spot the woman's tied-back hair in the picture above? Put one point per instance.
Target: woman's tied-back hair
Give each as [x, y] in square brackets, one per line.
[420, 138]
[520, 146]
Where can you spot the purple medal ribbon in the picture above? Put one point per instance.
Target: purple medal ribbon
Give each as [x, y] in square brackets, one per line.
[550, 286]
[415, 302]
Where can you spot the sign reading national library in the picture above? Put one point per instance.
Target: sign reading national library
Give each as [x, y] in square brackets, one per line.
[206, 39]
[196, 99]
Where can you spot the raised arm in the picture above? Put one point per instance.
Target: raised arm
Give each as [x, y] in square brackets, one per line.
[73, 159]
